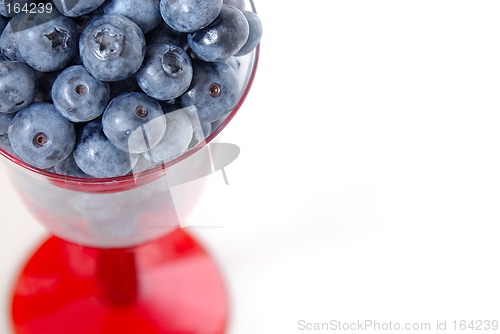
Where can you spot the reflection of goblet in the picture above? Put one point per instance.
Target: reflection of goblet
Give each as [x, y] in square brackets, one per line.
[118, 261]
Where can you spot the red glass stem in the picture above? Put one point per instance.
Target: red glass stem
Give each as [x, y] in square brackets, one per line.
[117, 274]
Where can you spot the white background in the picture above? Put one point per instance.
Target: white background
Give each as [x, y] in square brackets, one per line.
[368, 185]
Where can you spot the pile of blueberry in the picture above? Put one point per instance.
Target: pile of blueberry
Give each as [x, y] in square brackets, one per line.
[104, 88]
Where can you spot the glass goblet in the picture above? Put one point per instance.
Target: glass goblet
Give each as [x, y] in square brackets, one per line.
[118, 260]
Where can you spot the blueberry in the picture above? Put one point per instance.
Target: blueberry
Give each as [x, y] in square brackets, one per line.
[214, 90]
[176, 140]
[134, 122]
[75, 8]
[47, 42]
[112, 47]
[255, 33]
[18, 86]
[222, 38]
[97, 157]
[78, 96]
[41, 136]
[189, 15]
[145, 13]
[166, 72]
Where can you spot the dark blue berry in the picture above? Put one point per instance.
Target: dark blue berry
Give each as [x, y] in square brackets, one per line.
[18, 86]
[134, 122]
[78, 96]
[214, 90]
[255, 33]
[97, 157]
[222, 38]
[41, 136]
[166, 73]
[112, 47]
[48, 45]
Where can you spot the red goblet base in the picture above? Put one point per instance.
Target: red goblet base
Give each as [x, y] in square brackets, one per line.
[170, 285]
